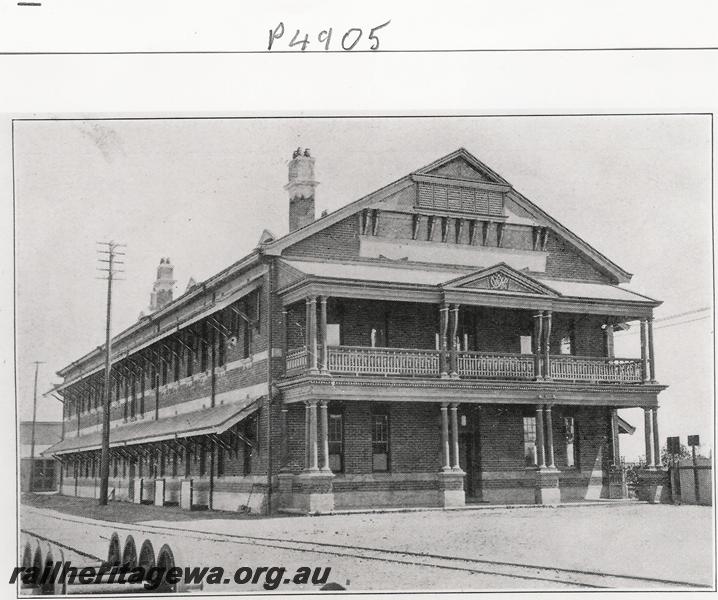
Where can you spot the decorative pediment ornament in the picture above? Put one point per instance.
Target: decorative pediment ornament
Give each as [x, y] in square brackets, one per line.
[501, 278]
[499, 281]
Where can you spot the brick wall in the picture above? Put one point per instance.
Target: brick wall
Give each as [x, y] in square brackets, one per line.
[340, 240]
[564, 261]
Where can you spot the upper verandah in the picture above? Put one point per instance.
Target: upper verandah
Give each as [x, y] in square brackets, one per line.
[493, 224]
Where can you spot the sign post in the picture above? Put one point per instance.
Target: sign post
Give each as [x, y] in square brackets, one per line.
[693, 441]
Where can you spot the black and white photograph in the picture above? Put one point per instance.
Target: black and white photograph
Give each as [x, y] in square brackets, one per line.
[365, 354]
[380, 299]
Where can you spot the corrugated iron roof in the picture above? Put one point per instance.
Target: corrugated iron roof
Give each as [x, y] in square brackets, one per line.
[199, 422]
[426, 276]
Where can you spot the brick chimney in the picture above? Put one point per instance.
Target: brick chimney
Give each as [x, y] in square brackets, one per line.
[301, 188]
[162, 288]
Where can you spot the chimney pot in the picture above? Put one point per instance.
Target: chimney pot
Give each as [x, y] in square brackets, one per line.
[163, 286]
[301, 188]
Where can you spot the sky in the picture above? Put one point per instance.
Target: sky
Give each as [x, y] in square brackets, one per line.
[200, 191]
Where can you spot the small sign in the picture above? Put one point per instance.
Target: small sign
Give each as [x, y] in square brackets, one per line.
[674, 445]
[694, 440]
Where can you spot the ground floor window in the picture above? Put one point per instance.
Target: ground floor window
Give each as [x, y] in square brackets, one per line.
[570, 431]
[380, 440]
[530, 441]
[335, 435]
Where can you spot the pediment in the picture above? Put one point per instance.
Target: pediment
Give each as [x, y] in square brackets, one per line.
[502, 279]
[461, 165]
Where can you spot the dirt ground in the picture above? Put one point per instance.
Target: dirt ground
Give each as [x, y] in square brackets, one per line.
[649, 543]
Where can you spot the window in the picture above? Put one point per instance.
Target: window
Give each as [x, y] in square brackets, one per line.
[246, 340]
[530, 441]
[569, 431]
[174, 464]
[133, 394]
[124, 468]
[142, 396]
[204, 348]
[380, 441]
[187, 461]
[333, 334]
[114, 467]
[165, 364]
[250, 432]
[565, 347]
[526, 344]
[162, 462]
[177, 362]
[189, 354]
[335, 434]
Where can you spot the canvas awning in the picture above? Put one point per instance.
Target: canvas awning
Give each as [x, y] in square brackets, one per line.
[625, 427]
[206, 421]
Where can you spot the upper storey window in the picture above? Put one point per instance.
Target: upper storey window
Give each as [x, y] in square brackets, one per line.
[454, 198]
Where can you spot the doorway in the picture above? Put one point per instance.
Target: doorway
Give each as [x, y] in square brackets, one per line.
[469, 451]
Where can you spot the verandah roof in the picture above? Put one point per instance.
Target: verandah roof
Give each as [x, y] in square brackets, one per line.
[395, 273]
[206, 421]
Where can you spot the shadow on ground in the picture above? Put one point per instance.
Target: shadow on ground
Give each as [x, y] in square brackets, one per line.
[125, 512]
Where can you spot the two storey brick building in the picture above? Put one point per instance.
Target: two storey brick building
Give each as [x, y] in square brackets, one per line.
[439, 341]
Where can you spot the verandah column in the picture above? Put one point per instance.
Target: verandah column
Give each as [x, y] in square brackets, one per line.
[540, 456]
[312, 462]
[445, 437]
[454, 330]
[323, 410]
[615, 444]
[549, 437]
[651, 352]
[455, 438]
[443, 326]
[312, 334]
[656, 439]
[323, 334]
[644, 351]
[547, 346]
[537, 342]
[647, 434]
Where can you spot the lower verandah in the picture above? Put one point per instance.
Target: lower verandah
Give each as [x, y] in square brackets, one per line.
[394, 454]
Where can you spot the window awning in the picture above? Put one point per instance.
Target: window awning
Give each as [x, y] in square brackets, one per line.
[206, 421]
[625, 427]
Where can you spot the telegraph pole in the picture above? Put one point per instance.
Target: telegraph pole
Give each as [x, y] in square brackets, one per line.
[37, 364]
[110, 250]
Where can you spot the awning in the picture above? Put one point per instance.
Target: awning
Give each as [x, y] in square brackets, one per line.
[625, 427]
[206, 421]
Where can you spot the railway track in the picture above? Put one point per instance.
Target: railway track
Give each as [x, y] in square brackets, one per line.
[529, 573]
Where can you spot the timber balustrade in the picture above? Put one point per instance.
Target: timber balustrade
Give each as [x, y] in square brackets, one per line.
[296, 360]
[362, 360]
[596, 369]
[382, 361]
[496, 365]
